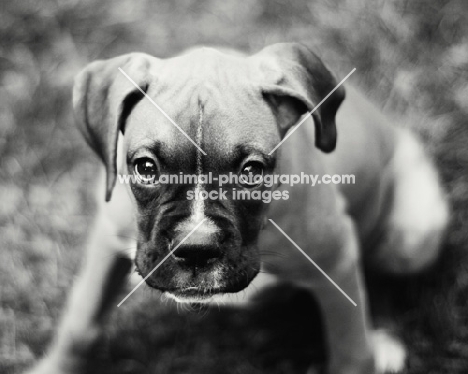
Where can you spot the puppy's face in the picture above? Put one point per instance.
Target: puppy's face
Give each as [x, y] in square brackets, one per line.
[217, 107]
[210, 113]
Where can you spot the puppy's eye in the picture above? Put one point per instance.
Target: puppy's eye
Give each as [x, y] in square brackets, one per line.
[251, 174]
[146, 171]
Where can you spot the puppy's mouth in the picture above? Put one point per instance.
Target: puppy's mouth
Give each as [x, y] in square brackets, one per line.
[194, 294]
[194, 283]
[204, 291]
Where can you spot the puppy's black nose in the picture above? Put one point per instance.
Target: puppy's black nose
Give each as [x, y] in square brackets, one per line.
[197, 255]
[201, 247]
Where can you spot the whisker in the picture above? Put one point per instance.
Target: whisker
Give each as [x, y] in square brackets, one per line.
[273, 253]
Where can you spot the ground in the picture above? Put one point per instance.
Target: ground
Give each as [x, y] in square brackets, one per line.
[412, 59]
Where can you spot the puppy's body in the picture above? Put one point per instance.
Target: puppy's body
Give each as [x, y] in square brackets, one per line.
[237, 109]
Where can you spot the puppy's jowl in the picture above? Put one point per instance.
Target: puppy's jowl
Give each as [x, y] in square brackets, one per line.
[224, 113]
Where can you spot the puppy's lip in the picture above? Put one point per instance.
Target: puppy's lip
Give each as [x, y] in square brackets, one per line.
[197, 299]
[204, 292]
[198, 291]
[193, 294]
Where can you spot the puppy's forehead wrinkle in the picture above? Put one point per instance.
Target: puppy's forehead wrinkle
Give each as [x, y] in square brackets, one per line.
[201, 68]
[221, 89]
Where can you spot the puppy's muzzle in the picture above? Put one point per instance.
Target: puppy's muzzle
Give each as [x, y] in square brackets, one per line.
[201, 248]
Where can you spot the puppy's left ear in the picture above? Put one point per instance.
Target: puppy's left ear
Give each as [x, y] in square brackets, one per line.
[103, 98]
[294, 81]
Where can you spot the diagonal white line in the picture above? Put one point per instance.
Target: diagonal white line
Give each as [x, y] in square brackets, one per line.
[313, 262]
[310, 113]
[162, 261]
[163, 112]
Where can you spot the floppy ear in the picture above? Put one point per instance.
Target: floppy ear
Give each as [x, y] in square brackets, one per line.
[295, 81]
[103, 98]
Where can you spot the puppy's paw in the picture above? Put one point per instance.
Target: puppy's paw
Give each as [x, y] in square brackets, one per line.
[389, 352]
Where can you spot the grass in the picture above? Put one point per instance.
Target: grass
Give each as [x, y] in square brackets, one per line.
[412, 58]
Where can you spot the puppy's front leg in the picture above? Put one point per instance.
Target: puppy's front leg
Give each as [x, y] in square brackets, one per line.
[92, 296]
[347, 332]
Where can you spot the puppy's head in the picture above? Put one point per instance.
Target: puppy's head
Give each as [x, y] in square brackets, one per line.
[200, 113]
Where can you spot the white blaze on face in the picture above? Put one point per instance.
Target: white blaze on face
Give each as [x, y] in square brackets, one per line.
[198, 208]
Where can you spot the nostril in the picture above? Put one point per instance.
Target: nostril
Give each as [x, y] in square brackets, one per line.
[197, 255]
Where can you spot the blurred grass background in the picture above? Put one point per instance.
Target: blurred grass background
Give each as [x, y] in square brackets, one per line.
[412, 58]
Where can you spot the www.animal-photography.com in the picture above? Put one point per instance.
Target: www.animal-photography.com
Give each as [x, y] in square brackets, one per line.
[234, 187]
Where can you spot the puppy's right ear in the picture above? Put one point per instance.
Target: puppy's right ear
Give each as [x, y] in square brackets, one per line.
[103, 98]
[294, 81]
